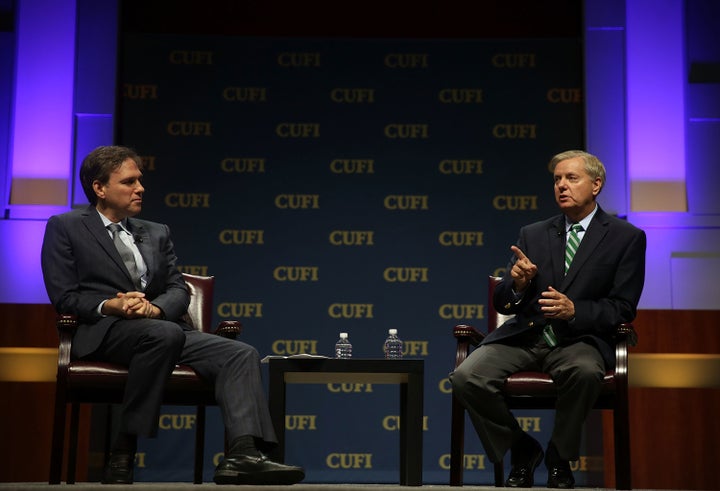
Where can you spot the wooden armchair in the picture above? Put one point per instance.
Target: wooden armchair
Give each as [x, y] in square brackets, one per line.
[103, 383]
[536, 390]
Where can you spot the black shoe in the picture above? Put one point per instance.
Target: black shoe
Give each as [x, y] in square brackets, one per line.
[119, 469]
[248, 469]
[560, 476]
[526, 456]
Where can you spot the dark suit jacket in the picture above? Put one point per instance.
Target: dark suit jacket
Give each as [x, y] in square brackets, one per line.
[81, 268]
[605, 281]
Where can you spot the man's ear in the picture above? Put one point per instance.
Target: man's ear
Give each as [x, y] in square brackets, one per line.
[98, 188]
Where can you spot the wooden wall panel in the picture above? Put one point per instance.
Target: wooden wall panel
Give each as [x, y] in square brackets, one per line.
[673, 431]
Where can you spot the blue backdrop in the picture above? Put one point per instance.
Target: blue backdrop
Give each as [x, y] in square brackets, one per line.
[349, 185]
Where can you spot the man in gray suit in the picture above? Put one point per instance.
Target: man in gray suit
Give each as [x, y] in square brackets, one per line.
[118, 274]
[566, 306]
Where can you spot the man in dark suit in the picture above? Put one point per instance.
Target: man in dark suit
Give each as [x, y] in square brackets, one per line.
[563, 322]
[130, 299]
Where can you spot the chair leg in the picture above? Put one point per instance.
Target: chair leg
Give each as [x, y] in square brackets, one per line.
[58, 439]
[457, 443]
[73, 444]
[499, 474]
[621, 425]
[199, 444]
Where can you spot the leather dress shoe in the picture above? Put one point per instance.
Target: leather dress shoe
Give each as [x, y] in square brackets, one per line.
[258, 470]
[524, 463]
[119, 469]
[560, 476]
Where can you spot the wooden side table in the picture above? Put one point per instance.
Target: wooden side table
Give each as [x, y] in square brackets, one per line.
[408, 374]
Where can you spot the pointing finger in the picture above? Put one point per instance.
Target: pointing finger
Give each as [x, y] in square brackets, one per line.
[518, 252]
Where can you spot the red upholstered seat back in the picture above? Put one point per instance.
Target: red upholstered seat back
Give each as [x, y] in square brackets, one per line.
[201, 297]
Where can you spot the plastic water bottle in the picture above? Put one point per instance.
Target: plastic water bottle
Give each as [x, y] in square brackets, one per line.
[343, 348]
[393, 345]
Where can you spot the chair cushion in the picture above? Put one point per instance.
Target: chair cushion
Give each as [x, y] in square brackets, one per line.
[538, 384]
[91, 381]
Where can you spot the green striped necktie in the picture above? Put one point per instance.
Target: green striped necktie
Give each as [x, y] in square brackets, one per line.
[572, 244]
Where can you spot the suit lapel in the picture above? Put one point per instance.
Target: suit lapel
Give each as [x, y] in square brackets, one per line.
[94, 224]
[556, 238]
[593, 236]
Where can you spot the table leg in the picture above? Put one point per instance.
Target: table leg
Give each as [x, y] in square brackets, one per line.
[276, 403]
[411, 428]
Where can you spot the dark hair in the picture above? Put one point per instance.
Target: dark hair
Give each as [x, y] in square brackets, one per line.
[100, 163]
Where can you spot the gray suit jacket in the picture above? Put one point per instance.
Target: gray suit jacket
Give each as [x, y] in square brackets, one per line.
[81, 268]
[605, 281]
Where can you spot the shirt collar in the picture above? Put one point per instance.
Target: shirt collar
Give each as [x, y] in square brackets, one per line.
[585, 222]
[106, 221]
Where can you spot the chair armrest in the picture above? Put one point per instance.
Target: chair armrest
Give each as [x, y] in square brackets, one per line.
[473, 336]
[466, 336]
[626, 333]
[229, 329]
[66, 325]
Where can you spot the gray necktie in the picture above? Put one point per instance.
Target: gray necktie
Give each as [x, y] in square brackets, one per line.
[125, 253]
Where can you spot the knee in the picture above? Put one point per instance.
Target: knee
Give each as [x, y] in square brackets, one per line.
[168, 335]
[587, 372]
[463, 383]
[243, 353]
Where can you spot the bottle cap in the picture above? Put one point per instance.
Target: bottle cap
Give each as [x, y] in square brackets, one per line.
[343, 335]
[392, 331]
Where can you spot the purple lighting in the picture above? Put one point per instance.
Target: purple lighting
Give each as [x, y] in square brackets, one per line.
[43, 100]
[656, 105]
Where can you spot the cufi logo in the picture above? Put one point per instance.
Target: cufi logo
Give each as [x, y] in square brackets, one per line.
[298, 130]
[572, 95]
[190, 57]
[470, 461]
[406, 202]
[140, 91]
[392, 423]
[461, 238]
[515, 131]
[297, 201]
[187, 200]
[149, 162]
[349, 461]
[296, 273]
[243, 165]
[245, 94]
[305, 59]
[406, 275]
[300, 422]
[352, 166]
[461, 166]
[514, 60]
[189, 128]
[461, 311]
[408, 131]
[407, 60]
[294, 346]
[461, 96]
[352, 95]
[515, 203]
[241, 237]
[351, 311]
[235, 310]
[352, 237]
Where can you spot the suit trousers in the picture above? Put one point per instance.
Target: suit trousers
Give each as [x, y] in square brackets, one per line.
[151, 348]
[577, 369]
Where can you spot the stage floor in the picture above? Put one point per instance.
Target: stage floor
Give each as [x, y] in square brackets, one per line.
[169, 486]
